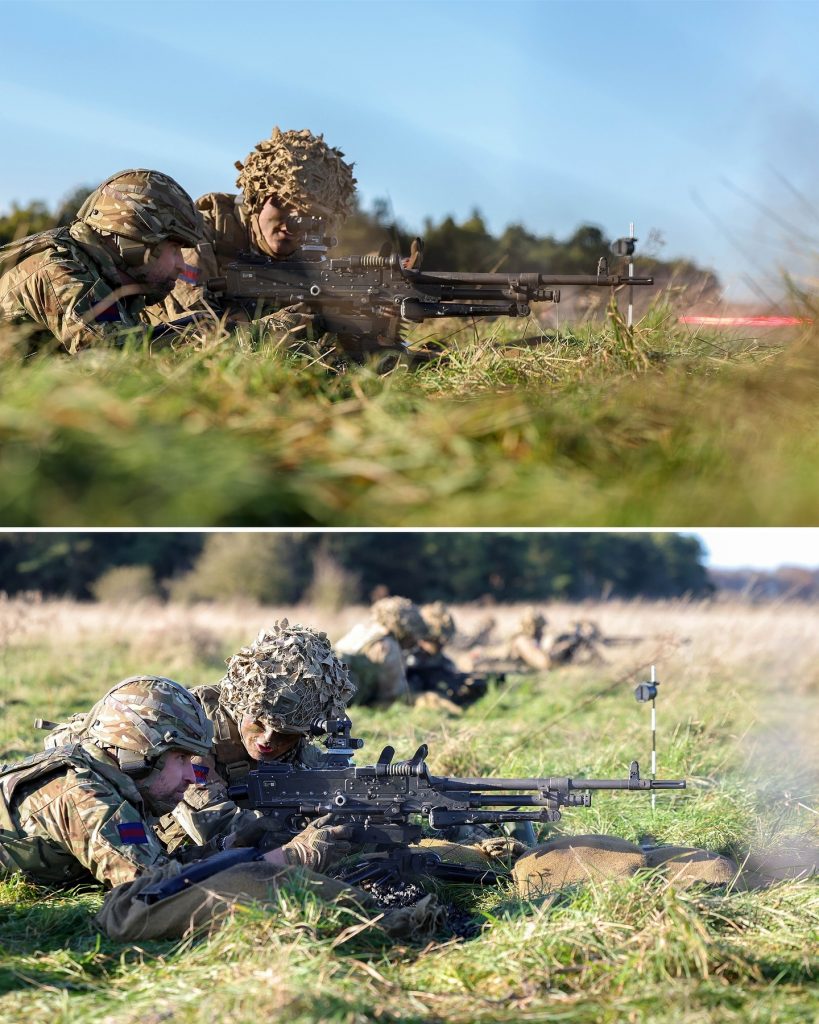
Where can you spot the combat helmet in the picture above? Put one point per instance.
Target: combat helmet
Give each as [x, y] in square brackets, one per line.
[402, 618]
[300, 170]
[439, 622]
[143, 717]
[139, 209]
[532, 621]
[287, 678]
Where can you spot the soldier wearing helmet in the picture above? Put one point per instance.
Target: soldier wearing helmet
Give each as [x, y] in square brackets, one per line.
[374, 650]
[525, 649]
[289, 175]
[84, 282]
[266, 708]
[84, 810]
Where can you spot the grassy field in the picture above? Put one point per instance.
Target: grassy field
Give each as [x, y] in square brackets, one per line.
[737, 717]
[667, 426]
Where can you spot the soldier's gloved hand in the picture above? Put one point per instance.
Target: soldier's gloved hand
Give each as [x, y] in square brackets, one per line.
[503, 848]
[319, 846]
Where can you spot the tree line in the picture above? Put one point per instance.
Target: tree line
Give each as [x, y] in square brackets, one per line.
[338, 568]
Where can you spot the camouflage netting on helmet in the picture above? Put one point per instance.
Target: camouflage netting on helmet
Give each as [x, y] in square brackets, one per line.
[149, 715]
[532, 622]
[302, 171]
[402, 618]
[439, 621]
[144, 206]
[288, 677]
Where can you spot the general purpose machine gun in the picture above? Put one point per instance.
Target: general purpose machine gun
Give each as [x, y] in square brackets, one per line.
[367, 301]
[389, 802]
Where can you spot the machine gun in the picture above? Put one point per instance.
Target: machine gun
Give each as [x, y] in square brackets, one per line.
[366, 301]
[388, 801]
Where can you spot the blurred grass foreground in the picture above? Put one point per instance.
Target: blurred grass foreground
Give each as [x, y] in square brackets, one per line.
[597, 426]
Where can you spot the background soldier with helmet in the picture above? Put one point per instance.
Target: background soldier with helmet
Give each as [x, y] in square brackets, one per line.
[374, 651]
[85, 282]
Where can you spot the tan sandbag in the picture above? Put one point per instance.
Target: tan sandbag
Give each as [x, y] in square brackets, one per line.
[571, 859]
[688, 865]
[761, 869]
[205, 906]
[431, 701]
[456, 853]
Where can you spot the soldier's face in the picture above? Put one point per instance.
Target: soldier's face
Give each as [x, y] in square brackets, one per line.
[280, 240]
[166, 265]
[168, 785]
[263, 742]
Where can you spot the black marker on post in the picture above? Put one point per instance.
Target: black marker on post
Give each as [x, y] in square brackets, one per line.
[648, 692]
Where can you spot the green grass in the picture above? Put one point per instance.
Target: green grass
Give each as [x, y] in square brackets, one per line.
[665, 427]
[737, 718]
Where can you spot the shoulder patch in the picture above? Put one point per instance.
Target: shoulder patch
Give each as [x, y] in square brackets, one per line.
[132, 833]
[201, 772]
[190, 275]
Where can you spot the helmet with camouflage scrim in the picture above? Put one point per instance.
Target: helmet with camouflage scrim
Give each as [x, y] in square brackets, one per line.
[402, 619]
[143, 717]
[139, 209]
[301, 171]
[287, 678]
[532, 622]
[439, 622]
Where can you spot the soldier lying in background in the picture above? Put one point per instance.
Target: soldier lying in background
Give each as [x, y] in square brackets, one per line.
[431, 672]
[525, 650]
[374, 651]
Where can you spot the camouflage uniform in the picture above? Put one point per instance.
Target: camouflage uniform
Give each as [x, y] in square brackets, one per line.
[82, 811]
[525, 649]
[79, 811]
[296, 168]
[68, 280]
[374, 651]
[288, 677]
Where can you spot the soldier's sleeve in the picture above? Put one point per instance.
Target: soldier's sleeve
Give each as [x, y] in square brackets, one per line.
[65, 298]
[105, 833]
[392, 679]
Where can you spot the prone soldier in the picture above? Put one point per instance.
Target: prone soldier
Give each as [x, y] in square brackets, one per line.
[265, 708]
[83, 811]
[84, 283]
[374, 651]
[291, 175]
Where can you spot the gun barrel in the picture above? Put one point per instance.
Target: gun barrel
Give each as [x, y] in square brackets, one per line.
[526, 280]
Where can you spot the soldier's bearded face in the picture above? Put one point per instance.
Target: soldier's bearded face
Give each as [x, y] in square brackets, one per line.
[168, 785]
[278, 238]
[166, 265]
[263, 742]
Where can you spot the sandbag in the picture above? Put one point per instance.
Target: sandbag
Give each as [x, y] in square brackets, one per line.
[571, 859]
[687, 865]
[455, 853]
[205, 906]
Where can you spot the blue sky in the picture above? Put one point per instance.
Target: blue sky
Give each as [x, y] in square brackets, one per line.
[697, 119]
[768, 548]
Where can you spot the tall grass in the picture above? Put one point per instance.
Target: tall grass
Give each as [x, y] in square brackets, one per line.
[737, 717]
[597, 427]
